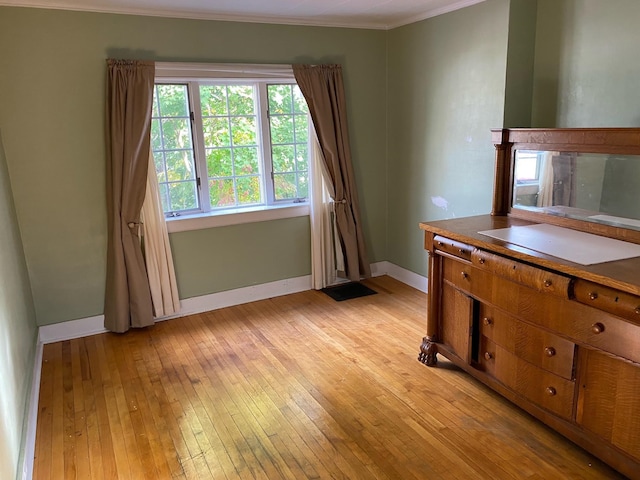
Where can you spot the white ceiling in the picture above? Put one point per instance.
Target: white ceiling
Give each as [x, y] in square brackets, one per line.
[377, 14]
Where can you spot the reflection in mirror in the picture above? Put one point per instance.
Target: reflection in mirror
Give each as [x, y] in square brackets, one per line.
[602, 188]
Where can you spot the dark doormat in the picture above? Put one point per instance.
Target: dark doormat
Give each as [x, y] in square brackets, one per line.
[347, 291]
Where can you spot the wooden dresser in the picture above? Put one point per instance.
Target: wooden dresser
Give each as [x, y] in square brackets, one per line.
[558, 338]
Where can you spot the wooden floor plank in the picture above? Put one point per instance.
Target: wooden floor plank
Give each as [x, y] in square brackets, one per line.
[294, 387]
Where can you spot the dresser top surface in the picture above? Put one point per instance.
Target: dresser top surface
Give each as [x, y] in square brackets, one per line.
[620, 274]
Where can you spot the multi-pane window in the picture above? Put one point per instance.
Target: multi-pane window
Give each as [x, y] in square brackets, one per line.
[527, 166]
[289, 125]
[229, 145]
[172, 146]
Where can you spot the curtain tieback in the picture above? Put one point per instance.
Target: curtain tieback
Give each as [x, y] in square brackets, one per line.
[343, 201]
[135, 228]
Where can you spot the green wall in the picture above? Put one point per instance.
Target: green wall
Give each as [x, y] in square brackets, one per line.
[586, 67]
[18, 333]
[52, 94]
[271, 251]
[423, 98]
[520, 62]
[446, 92]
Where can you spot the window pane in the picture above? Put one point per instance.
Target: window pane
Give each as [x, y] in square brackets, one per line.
[283, 157]
[248, 190]
[213, 100]
[282, 129]
[158, 160]
[172, 147]
[156, 135]
[216, 132]
[527, 167]
[183, 196]
[303, 184]
[302, 128]
[299, 103]
[176, 133]
[180, 165]
[285, 186]
[243, 130]
[154, 109]
[221, 193]
[173, 100]
[246, 161]
[279, 99]
[241, 100]
[164, 196]
[302, 157]
[219, 163]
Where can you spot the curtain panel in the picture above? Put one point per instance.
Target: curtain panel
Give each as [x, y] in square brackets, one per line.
[157, 250]
[323, 89]
[128, 125]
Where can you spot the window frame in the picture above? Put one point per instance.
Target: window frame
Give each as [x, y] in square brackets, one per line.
[193, 75]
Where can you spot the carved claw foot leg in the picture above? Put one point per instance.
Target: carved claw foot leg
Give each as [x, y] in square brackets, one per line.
[428, 351]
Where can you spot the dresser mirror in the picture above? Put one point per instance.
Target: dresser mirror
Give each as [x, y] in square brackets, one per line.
[594, 187]
[586, 179]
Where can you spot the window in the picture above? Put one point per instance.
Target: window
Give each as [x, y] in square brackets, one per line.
[229, 144]
[527, 167]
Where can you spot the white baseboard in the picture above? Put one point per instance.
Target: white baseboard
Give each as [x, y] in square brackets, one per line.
[93, 325]
[82, 327]
[29, 442]
[401, 274]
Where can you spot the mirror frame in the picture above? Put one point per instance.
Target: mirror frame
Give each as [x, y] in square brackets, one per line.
[623, 141]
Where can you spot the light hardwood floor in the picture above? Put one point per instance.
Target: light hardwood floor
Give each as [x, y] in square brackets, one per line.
[294, 387]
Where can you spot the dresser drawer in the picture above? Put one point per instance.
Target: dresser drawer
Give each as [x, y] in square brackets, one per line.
[452, 247]
[527, 275]
[543, 388]
[579, 323]
[536, 346]
[464, 276]
[608, 299]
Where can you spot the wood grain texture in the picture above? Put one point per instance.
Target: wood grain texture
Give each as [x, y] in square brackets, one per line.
[625, 141]
[609, 399]
[289, 388]
[621, 274]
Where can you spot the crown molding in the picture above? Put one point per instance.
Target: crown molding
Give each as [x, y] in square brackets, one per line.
[200, 15]
[434, 13]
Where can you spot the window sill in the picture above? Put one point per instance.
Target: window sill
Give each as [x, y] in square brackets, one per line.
[201, 221]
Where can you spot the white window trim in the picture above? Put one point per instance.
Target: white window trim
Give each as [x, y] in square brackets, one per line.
[236, 216]
[187, 72]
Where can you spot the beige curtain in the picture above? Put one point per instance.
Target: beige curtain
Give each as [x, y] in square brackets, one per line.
[128, 123]
[157, 250]
[545, 189]
[326, 259]
[323, 89]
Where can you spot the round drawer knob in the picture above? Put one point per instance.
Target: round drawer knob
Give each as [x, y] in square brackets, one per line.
[440, 244]
[487, 321]
[481, 261]
[551, 391]
[597, 328]
[488, 356]
[464, 274]
[550, 351]
[548, 283]
[461, 250]
[637, 310]
[593, 295]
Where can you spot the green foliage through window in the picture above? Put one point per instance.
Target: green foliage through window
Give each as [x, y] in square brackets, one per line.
[209, 151]
[289, 124]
